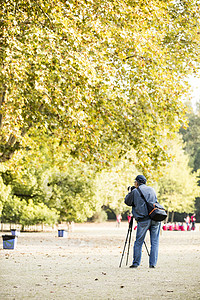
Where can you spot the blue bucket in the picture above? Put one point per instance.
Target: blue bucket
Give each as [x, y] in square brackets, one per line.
[62, 233]
[9, 241]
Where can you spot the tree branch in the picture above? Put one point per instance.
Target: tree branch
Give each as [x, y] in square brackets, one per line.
[2, 95]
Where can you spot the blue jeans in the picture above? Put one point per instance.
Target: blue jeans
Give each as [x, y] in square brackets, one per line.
[154, 229]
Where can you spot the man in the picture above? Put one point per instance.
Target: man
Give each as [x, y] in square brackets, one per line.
[140, 213]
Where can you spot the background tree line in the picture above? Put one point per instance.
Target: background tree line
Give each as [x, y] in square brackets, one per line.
[91, 94]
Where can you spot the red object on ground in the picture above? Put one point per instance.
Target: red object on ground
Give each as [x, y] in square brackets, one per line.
[165, 227]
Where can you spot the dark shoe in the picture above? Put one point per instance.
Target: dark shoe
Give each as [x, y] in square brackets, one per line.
[133, 266]
[152, 267]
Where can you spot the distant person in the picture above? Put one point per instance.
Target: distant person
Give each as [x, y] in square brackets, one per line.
[70, 226]
[119, 218]
[193, 220]
[129, 217]
[187, 221]
[144, 223]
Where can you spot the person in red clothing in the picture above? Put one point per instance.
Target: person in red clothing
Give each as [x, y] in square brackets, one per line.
[119, 218]
[193, 220]
[129, 217]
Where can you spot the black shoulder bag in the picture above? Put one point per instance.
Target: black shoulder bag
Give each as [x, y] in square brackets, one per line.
[155, 210]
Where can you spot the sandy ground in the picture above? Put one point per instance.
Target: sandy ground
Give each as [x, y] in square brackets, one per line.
[85, 265]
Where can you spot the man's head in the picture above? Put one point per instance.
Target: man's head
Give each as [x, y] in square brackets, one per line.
[140, 179]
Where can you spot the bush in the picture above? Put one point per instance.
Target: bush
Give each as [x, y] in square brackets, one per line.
[18, 211]
[36, 214]
[12, 210]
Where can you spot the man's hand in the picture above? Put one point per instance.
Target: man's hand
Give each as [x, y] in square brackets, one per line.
[129, 189]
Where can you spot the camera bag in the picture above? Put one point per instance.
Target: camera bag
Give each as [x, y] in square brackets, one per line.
[155, 210]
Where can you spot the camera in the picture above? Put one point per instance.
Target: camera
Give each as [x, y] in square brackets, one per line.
[130, 188]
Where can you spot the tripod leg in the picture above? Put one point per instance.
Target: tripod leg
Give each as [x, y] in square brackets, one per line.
[129, 245]
[131, 227]
[124, 247]
[146, 248]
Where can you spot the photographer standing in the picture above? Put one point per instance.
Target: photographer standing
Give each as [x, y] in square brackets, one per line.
[140, 213]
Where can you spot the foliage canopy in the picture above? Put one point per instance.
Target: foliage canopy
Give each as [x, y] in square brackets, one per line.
[101, 76]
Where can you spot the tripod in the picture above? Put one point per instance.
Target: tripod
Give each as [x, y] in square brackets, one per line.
[129, 241]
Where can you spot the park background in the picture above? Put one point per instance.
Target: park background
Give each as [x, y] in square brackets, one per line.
[92, 94]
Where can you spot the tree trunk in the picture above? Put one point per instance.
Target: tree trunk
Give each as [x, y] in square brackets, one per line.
[167, 217]
[172, 218]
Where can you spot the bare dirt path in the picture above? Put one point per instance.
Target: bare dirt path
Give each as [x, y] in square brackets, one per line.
[86, 266]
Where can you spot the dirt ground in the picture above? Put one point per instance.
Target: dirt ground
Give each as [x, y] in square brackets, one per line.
[85, 265]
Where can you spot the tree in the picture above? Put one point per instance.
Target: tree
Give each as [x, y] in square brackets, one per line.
[178, 186]
[101, 76]
[5, 194]
[45, 176]
[191, 138]
[72, 193]
[111, 184]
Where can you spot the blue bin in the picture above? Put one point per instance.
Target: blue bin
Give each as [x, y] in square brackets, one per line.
[62, 233]
[15, 232]
[9, 241]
